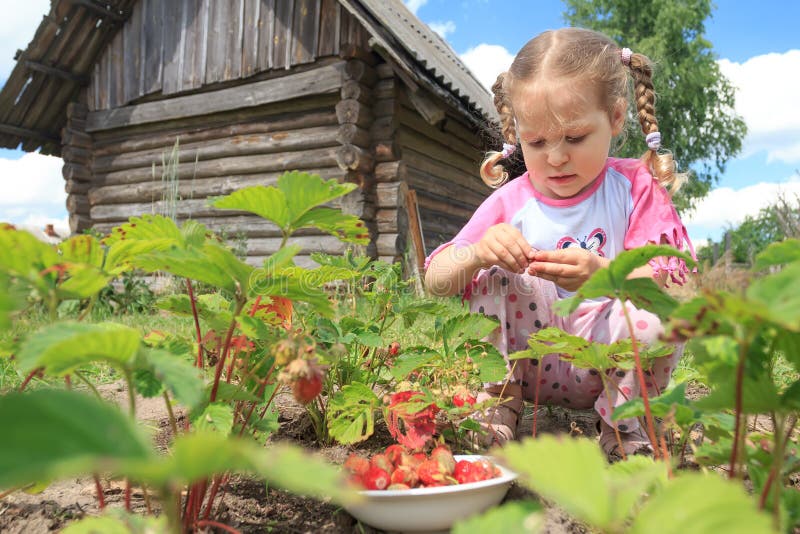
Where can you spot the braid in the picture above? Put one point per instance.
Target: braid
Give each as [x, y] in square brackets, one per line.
[492, 173]
[661, 165]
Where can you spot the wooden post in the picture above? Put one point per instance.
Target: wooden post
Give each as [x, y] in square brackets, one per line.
[416, 260]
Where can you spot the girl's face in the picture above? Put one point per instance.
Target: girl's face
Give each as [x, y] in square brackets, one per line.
[565, 136]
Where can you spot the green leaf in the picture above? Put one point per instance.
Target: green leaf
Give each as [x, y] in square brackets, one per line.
[460, 328]
[180, 377]
[63, 433]
[281, 259]
[83, 248]
[201, 455]
[347, 228]
[292, 289]
[305, 191]
[10, 301]
[212, 308]
[410, 361]
[786, 251]
[515, 517]
[491, 364]
[146, 383]
[673, 400]
[575, 475]
[62, 347]
[116, 521]
[82, 281]
[140, 235]
[702, 504]
[267, 202]
[370, 339]
[254, 328]
[351, 413]
[779, 293]
[217, 417]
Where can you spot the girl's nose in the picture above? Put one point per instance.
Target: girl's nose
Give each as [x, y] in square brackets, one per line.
[557, 155]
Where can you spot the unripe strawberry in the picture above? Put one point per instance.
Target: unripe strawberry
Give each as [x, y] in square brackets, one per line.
[398, 486]
[405, 475]
[430, 473]
[442, 455]
[376, 479]
[356, 464]
[395, 454]
[382, 461]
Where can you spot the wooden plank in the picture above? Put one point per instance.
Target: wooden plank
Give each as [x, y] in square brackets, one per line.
[196, 43]
[305, 31]
[425, 164]
[132, 67]
[327, 79]
[284, 11]
[116, 86]
[328, 244]
[207, 132]
[283, 161]
[266, 34]
[175, 22]
[153, 39]
[329, 27]
[415, 230]
[354, 112]
[218, 27]
[235, 145]
[425, 145]
[251, 19]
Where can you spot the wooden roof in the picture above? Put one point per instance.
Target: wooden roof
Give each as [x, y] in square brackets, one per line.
[57, 64]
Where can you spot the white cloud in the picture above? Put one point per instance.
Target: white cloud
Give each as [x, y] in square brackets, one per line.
[725, 206]
[31, 179]
[17, 29]
[766, 98]
[414, 5]
[443, 28]
[486, 61]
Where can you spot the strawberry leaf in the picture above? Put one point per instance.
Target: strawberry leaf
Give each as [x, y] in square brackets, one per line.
[351, 413]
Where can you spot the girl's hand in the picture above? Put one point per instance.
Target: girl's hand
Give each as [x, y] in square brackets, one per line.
[503, 245]
[568, 268]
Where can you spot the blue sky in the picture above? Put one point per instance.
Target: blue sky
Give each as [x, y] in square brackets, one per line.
[757, 45]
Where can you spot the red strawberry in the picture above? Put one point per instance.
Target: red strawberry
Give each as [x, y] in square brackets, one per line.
[394, 348]
[430, 473]
[460, 399]
[466, 472]
[376, 479]
[306, 389]
[358, 465]
[305, 377]
[442, 454]
[398, 486]
[405, 475]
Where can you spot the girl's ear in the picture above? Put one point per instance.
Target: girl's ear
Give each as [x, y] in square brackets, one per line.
[618, 116]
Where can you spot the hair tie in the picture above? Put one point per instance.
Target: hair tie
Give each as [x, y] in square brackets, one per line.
[625, 56]
[653, 140]
[508, 149]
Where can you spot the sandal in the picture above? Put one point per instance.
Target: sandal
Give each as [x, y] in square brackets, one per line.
[634, 442]
[498, 421]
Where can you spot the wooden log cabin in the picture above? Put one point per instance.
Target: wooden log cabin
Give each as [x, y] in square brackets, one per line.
[357, 90]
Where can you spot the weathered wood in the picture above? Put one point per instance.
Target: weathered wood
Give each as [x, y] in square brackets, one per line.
[384, 128]
[424, 200]
[417, 250]
[196, 44]
[132, 64]
[77, 203]
[76, 111]
[390, 244]
[384, 107]
[389, 194]
[384, 70]
[72, 171]
[305, 31]
[354, 90]
[175, 22]
[351, 157]
[186, 208]
[236, 145]
[351, 134]
[282, 37]
[325, 79]
[443, 188]
[386, 151]
[252, 29]
[354, 112]
[329, 28]
[390, 171]
[384, 89]
[77, 188]
[266, 32]
[307, 159]
[300, 260]
[75, 154]
[75, 138]
[442, 171]
[425, 145]
[78, 223]
[413, 121]
[105, 146]
[360, 71]
[197, 188]
[386, 219]
[328, 244]
[152, 32]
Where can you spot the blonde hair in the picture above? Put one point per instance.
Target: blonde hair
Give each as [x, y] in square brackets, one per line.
[588, 55]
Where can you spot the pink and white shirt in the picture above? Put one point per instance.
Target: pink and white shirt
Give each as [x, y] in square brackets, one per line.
[623, 209]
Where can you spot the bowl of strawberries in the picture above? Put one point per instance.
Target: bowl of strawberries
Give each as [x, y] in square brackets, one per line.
[414, 492]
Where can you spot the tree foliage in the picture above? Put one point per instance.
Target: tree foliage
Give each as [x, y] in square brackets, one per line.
[695, 106]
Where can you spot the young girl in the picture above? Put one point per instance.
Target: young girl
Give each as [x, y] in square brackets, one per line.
[539, 237]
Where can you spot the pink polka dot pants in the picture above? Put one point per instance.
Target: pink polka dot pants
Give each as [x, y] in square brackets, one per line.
[523, 305]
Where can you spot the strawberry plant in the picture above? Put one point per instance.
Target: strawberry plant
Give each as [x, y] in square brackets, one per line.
[224, 374]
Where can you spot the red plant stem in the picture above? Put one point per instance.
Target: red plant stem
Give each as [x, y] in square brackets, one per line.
[610, 411]
[224, 480]
[665, 453]
[536, 400]
[212, 494]
[67, 382]
[648, 415]
[261, 389]
[127, 495]
[254, 307]
[762, 499]
[234, 355]
[28, 379]
[224, 354]
[101, 501]
[196, 324]
[739, 404]
[215, 524]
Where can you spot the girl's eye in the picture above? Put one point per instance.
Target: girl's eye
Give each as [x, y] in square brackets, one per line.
[575, 140]
[537, 143]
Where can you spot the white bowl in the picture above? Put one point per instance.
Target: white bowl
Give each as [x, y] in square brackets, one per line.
[430, 509]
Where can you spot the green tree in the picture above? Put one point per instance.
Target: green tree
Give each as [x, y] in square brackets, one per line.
[695, 106]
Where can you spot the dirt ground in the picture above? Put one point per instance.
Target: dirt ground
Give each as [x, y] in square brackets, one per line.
[247, 505]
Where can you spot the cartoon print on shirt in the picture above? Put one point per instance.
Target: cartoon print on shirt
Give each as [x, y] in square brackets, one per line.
[593, 242]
